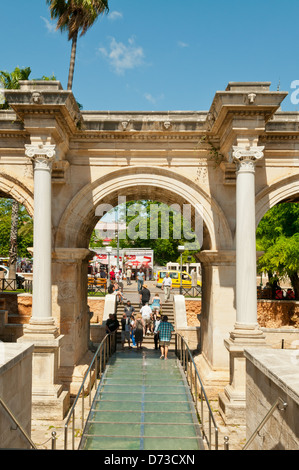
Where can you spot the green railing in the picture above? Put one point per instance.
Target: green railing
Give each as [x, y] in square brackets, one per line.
[208, 425]
[94, 373]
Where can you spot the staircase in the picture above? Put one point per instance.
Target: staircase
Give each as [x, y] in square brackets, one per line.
[142, 403]
[148, 340]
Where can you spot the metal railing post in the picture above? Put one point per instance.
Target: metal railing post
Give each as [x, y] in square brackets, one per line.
[53, 447]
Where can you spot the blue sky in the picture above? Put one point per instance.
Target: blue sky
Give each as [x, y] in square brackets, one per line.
[159, 54]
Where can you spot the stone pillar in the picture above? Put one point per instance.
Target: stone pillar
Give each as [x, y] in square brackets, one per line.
[42, 157]
[49, 400]
[217, 318]
[70, 310]
[246, 330]
[246, 298]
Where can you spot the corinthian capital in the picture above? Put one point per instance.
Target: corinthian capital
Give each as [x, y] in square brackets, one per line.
[246, 157]
[41, 155]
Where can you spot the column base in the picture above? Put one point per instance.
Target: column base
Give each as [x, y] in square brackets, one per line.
[244, 333]
[232, 402]
[232, 413]
[45, 408]
[214, 380]
[40, 329]
[49, 401]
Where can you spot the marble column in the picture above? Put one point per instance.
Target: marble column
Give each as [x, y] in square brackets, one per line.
[42, 157]
[49, 400]
[246, 332]
[246, 294]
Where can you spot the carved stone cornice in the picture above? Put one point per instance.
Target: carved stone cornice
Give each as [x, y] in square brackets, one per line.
[46, 98]
[242, 101]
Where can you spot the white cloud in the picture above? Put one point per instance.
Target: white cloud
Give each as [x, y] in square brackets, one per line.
[123, 57]
[115, 15]
[51, 27]
[152, 99]
[182, 44]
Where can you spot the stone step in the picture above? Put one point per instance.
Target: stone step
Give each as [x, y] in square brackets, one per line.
[148, 340]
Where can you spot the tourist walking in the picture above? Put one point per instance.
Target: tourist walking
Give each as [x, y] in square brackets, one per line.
[167, 286]
[112, 275]
[156, 304]
[138, 330]
[146, 313]
[164, 329]
[140, 280]
[129, 309]
[157, 321]
[125, 331]
[112, 324]
[119, 280]
[132, 333]
[129, 275]
[145, 295]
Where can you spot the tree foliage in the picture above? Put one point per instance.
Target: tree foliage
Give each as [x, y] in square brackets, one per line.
[25, 229]
[278, 236]
[153, 225]
[11, 80]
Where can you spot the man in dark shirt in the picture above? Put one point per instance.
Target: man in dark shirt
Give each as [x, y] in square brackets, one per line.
[112, 324]
[145, 295]
[129, 309]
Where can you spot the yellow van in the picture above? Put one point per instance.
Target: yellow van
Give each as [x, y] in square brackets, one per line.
[176, 278]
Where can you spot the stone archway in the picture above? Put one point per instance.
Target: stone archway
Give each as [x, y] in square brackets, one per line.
[280, 191]
[13, 188]
[79, 218]
[70, 255]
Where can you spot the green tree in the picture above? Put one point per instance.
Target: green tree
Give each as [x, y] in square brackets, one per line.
[76, 16]
[278, 236]
[10, 80]
[146, 228]
[24, 229]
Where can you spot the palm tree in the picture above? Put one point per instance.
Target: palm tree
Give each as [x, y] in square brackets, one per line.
[75, 16]
[10, 80]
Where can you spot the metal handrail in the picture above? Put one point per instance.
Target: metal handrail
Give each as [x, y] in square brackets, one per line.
[11, 415]
[104, 351]
[185, 356]
[265, 419]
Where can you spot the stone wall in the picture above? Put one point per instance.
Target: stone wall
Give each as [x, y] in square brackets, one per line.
[15, 391]
[277, 314]
[271, 314]
[96, 306]
[269, 376]
[193, 310]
